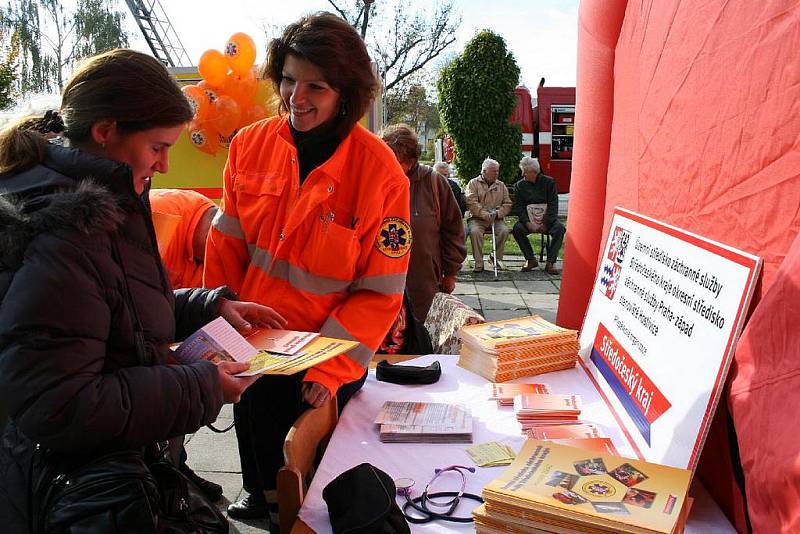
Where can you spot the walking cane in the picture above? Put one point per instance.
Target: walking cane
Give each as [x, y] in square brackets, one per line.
[494, 251]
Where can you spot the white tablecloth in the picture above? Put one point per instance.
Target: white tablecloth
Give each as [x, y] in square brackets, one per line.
[355, 441]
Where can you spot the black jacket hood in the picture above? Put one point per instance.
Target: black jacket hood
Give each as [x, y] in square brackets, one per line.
[64, 192]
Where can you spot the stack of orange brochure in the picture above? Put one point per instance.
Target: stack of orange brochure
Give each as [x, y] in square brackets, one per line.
[534, 410]
[268, 351]
[504, 393]
[555, 488]
[582, 435]
[515, 348]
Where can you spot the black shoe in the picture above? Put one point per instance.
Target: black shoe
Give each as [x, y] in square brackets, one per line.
[210, 489]
[248, 508]
[272, 526]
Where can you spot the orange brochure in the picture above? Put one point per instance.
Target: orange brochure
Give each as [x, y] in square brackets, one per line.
[504, 393]
[547, 405]
[601, 445]
[551, 432]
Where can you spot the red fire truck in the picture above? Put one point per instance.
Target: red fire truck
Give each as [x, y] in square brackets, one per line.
[548, 126]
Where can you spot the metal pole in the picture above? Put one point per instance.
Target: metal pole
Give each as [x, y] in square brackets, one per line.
[494, 251]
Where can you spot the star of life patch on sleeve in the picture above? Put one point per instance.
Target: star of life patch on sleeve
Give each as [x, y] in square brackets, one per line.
[394, 237]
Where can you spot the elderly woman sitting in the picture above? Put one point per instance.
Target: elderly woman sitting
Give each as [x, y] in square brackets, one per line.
[537, 188]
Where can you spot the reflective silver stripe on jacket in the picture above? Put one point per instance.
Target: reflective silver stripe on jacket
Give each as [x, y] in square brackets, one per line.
[361, 354]
[385, 284]
[228, 225]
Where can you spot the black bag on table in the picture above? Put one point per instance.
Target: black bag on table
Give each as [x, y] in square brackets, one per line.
[362, 501]
[408, 374]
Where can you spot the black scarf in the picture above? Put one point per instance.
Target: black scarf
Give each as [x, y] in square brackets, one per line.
[315, 146]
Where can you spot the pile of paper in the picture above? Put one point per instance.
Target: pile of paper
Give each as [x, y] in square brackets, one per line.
[424, 422]
[544, 417]
[514, 348]
[555, 488]
[534, 410]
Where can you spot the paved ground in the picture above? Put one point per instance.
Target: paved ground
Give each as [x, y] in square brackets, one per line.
[511, 294]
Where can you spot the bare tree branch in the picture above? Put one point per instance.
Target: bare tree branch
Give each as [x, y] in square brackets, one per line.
[344, 14]
[415, 41]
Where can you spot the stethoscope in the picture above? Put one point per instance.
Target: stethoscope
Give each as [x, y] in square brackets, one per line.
[421, 504]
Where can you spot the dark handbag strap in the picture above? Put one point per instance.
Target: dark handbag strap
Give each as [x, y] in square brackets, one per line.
[138, 329]
[220, 431]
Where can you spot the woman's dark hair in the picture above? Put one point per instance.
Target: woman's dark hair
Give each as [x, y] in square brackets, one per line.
[125, 86]
[338, 51]
[403, 142]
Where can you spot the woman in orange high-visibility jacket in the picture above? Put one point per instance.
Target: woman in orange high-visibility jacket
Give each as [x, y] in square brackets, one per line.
[314, 222]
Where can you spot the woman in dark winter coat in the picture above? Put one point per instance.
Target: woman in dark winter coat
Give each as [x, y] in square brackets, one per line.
[86, 309]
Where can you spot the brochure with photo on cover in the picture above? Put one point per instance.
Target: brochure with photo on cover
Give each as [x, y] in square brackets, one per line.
[580, 490]
[268, 350]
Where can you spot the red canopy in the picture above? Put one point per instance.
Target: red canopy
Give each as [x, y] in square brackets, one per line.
[689, 111]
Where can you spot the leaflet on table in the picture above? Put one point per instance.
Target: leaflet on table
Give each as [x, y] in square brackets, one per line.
[269, 351]
[491, 454]
[504, 393]
[519, 332]
[423, 414]
[424, 422]
[573, 431]
[658, 336]
[584, 489]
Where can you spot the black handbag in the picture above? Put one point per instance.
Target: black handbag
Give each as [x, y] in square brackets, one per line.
[120, 492]
[362, 501]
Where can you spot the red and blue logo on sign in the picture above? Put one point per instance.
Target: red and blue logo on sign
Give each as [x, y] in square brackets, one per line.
[612, 265]
[637, 393]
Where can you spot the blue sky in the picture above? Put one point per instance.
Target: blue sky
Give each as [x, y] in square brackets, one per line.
[542, 34]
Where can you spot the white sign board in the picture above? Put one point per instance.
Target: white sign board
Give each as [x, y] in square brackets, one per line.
[665, 312]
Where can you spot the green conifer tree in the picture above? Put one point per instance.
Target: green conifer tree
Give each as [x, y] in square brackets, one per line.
[476, 99]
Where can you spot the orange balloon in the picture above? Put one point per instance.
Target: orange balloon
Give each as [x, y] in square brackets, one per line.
[204, 137]
[227, 115]
[211, 92]
[199, 101]
[241, 52]
[241, 87]
[213, 67]
[253, 114]
[225, 140]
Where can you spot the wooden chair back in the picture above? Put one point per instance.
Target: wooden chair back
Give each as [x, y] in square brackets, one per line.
[302, 450]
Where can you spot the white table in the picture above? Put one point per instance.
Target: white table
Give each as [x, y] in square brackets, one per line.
[355, 440]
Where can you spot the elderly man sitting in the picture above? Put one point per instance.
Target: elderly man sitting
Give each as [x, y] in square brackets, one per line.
[488, 202]
[537, 190]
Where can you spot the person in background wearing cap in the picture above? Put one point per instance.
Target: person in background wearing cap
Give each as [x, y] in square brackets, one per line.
[182, 219]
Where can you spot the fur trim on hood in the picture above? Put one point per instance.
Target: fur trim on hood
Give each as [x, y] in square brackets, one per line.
[88, 207]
